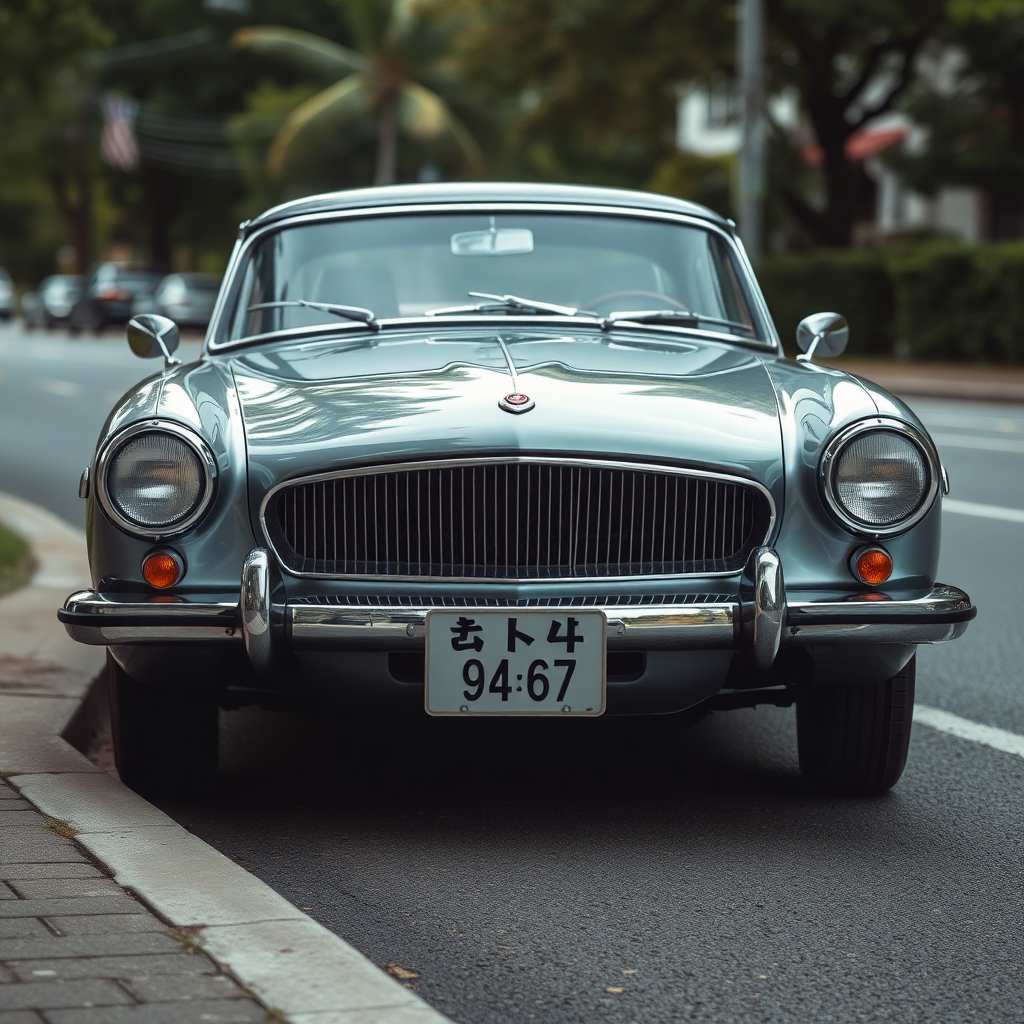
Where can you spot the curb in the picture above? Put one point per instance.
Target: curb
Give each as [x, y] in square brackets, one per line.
[283, 957]
[938, 382]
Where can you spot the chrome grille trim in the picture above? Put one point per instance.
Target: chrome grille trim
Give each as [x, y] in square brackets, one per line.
[703, 543]
[447, 601]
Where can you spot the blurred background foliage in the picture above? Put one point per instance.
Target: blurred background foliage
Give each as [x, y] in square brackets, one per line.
[547, 90]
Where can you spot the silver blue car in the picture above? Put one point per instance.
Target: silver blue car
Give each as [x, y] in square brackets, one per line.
[485, 450]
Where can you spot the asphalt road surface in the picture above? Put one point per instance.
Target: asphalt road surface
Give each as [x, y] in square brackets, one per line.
[621, 871]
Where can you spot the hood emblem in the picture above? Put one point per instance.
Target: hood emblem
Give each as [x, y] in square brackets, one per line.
[516, 402]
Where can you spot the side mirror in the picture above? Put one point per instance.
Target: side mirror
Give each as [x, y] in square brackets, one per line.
[150, 336]
[827, 333]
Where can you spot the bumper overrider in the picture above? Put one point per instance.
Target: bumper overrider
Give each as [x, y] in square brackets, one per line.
[760, 620]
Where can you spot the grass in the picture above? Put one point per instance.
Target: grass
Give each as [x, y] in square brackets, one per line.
[61, 827]
[188, 936]
[15, 561]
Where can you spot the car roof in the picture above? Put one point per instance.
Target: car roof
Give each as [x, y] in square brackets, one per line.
[482, 192]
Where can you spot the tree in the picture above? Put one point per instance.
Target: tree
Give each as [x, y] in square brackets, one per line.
[585, 90]
[382, 77]
[43, 105]
[852, 61]
[975, 117]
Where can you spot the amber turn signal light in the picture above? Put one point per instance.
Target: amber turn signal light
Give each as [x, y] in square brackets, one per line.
[872, 565]
[162, 568]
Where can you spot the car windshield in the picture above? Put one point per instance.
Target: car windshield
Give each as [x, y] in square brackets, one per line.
[420, 264]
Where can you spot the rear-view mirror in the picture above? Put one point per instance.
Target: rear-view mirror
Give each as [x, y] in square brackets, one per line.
[150, 336]
[494, 242]
[825, 334]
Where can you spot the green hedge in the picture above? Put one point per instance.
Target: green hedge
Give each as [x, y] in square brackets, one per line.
[937, 300]
[15, 561]
[852, 282]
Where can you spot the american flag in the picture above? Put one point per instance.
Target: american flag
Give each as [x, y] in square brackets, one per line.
[118, 141]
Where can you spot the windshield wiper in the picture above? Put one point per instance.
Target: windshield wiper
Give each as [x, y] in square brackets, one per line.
[679, 316]
[346, 312]
[507, 304]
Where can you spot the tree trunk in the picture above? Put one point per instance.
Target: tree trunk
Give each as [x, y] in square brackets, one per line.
[81, 213]
[387, 142]
[162, 203]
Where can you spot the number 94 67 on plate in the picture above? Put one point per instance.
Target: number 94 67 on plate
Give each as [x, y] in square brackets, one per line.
[510, 661]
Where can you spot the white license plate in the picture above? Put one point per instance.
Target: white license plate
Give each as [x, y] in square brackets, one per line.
[511, 662]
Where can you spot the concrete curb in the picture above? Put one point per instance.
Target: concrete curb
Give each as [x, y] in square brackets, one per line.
[939, 381]
[284, 958]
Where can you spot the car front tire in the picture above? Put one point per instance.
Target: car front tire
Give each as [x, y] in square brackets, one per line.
[165, 739]
[853, 740]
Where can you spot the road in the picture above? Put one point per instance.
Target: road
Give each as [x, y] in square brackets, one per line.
[628, 871]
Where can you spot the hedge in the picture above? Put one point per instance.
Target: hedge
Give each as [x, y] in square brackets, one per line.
[852, 282]
[937, 300]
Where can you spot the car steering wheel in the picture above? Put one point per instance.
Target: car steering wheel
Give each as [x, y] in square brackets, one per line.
[615, 296]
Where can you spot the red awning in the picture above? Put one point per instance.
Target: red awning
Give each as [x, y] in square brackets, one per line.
[862, 145]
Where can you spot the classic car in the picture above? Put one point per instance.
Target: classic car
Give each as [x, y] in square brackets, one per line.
[479, 450]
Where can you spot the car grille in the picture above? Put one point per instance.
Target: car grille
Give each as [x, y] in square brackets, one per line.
[517, 519]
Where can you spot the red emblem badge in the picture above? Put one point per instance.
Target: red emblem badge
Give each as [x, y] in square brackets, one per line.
[516, 402]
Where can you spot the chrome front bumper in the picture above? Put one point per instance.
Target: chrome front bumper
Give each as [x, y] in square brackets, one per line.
[761, 621]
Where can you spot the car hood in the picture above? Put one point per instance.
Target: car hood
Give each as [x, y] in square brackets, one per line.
[323, 405]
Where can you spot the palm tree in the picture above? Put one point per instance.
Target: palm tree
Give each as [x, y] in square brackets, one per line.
[379, 78]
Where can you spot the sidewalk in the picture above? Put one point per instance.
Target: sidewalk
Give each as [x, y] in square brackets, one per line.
[76, 949]
[110, 911]
[939, 380]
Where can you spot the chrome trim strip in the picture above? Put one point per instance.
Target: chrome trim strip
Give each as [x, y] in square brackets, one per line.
[941, 615]
[402, 467]
[101, 619]
[841, 635]
[770, 342]
[155, 426]
[944, 602]
[877, 424]
[679, 627]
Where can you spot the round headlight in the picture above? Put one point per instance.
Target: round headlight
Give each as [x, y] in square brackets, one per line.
[877, 480]
[157, 481]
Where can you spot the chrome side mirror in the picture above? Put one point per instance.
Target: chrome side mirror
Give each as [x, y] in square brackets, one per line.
[824, 333]
[150, 336]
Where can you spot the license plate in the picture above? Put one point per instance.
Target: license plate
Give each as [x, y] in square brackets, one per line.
[511, 662]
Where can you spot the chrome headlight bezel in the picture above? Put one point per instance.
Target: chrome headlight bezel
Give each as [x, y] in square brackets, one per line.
[112, 448]
[878, 425]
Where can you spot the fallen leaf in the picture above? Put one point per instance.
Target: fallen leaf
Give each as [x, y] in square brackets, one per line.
[400, 972]
[613, 990]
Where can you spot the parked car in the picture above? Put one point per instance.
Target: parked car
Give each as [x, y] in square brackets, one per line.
[188, 299]
[108, 294]
[6, 295]
[50, 304]
[504, 450]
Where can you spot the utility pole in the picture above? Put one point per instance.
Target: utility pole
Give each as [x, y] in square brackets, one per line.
[750, 53]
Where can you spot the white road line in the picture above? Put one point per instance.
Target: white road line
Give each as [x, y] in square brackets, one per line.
[965, 729]
[61, 388]
[991, 444]
[970, 508]
[1003, 426]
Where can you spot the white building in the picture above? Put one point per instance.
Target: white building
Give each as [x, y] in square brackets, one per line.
[708, 124]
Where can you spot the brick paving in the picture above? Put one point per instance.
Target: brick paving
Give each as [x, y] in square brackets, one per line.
[75, 948]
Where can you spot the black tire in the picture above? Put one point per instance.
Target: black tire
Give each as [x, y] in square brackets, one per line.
[853, 740]
[165, 739]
